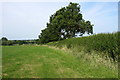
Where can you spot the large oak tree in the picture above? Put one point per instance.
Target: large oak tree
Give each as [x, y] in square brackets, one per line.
[65, 23]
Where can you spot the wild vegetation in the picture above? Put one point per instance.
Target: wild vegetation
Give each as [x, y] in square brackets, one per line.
[105, 43]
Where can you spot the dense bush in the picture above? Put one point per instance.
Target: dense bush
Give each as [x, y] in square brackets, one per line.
[107, 43]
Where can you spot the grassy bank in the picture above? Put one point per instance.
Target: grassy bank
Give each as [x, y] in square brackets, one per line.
[49, 62]
[103, 44]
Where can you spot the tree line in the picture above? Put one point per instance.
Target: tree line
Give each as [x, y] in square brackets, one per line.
[5, 42]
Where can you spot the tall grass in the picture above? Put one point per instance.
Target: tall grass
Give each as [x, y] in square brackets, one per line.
[104, 43]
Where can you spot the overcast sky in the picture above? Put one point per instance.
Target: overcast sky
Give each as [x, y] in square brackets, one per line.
[25, 20]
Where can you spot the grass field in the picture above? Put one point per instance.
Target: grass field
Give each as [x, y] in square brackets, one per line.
[47, 62]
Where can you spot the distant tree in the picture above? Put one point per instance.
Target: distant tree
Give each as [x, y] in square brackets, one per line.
[65, 23]
[9, 42]
[4, 39]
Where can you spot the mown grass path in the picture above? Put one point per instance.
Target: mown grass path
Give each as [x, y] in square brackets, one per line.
[45, 62]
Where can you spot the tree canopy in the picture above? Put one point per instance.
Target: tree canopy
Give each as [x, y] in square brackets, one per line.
[65, 23]
[4, 39]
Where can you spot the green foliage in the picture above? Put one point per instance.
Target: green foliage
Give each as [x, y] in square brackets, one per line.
[107, 43]
[65, 23]
[5, 42]
[4, 39]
